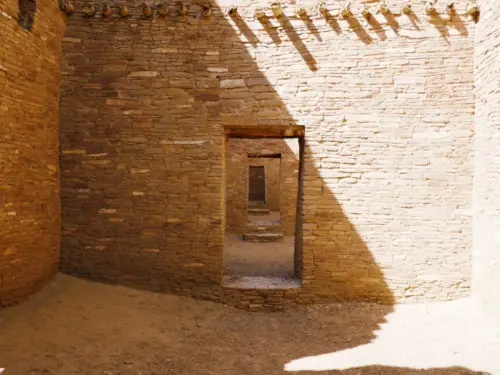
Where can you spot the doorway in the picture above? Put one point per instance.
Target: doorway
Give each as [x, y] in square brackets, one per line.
[256, 184]
[263, 228]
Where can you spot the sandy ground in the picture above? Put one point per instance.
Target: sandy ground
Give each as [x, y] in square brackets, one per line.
[79, 327]
[273, 259]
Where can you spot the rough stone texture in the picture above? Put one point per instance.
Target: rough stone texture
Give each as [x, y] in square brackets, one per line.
[486, 281]
[285, 180]
[388, 109]
[29, 179]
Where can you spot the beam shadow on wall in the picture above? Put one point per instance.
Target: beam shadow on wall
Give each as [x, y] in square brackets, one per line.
[245, 30]
[332, 22]
[270, 29]
[415, 20]
[459, 25]
[358, 29]
[311, 27]
[298, 43]
[440, 24]
[392, 21]
[376, 27]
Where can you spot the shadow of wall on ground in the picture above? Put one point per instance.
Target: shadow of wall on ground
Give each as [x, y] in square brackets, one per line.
[169, 334]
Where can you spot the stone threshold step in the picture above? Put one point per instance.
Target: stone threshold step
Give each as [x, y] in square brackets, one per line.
[257, 204]
[260, 282]
[264, 226]
[263, 237]
[259, 211]
[261, 223]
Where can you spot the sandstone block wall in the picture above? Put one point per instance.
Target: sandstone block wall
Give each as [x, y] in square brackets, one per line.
[29, 167]
[486, 279]
[283, 175]
[388, 108]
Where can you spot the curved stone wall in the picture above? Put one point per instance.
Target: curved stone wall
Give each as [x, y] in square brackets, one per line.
[486, 279]
[388, 108]
[29, 178]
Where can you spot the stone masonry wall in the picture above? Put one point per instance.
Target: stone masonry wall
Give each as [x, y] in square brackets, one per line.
[286, 175]
[486, 279]
[388, 108]
[29, 178]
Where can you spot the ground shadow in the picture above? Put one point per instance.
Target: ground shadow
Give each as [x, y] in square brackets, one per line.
[80, 327]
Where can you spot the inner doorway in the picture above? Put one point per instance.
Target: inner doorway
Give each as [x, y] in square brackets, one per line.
[256, 184]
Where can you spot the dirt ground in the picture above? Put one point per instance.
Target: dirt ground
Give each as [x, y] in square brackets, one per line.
[79, 327]
[272, 259]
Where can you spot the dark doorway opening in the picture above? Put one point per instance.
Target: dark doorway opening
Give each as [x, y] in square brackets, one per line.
[27, 10]
[256, 185]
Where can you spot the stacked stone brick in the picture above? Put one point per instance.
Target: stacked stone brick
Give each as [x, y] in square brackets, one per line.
[30, 216]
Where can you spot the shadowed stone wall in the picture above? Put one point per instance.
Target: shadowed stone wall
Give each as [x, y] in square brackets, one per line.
[388, 108]
[29, 178]
[487, 164]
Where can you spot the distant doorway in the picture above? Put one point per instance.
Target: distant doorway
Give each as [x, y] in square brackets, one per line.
[256, 184]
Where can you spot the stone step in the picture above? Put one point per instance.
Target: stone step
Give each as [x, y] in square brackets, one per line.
[263, 237]
[264, 226]
[259, 211]
[256, 204]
